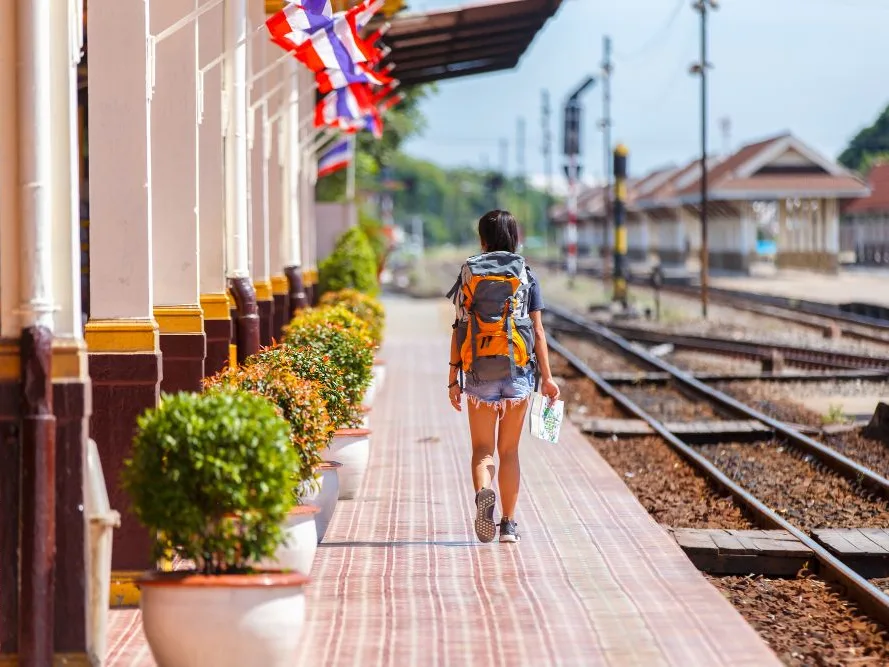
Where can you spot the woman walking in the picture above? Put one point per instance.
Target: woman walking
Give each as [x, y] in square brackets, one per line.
[498, 348]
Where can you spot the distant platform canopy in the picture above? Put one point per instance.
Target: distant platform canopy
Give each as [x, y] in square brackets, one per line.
[473, 39]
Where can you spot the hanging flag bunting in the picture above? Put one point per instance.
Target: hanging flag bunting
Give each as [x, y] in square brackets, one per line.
[337, 157]
[334, 79]
[344, 106]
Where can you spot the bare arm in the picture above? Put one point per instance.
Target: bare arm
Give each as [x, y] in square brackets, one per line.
[541, 350]
[454, 390]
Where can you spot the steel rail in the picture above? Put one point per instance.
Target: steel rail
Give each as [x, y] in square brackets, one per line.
[832, 458]
[870, 598]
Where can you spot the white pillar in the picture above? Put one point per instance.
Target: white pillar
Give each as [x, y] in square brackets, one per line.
[10, 243]
[259, 212]
[295, 171]
[120, 168]
[211, 183]
[236, 172]
[174, 165]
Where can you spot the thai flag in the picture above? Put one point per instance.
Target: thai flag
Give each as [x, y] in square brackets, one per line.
[334, 79]
[338, 157]
[336, 47]
[297, 21]
[344, 106]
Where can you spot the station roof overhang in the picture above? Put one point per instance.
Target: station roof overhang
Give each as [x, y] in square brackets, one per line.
[472, 39]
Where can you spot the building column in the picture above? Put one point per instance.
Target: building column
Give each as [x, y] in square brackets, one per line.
[72, 391]
[274, 194]
[293, 169]
[122, 335]
[258, 177]
[237, 174]
[10, 334]
[306, 85]
[211, 186]
[174, 146]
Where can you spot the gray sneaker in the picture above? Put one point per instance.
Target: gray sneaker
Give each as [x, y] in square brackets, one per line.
[485, 528]
[509, 531]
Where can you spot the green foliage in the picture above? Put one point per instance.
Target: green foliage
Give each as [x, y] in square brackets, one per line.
[348, 348]
[308, 363]
[835, 415]
[351, 264]
[869, 144]
[299, 401]
[373, 228]
[366, 308]
[212, 475]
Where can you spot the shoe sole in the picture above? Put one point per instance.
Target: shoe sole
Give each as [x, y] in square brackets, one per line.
[510, 539]
[485, 528]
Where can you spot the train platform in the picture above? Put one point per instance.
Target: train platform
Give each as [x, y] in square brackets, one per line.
[849, 285]
[401, 580]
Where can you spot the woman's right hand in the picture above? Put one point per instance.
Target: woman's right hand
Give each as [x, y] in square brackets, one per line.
[455, 393]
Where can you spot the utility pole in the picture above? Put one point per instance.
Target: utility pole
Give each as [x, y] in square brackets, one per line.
[573, 115]
[700, 69]
[607, 68]
[725, 124]
[547, 148]
[504, 169]
[621, 273]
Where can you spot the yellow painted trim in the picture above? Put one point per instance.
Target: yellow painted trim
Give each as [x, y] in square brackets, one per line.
[216, 306]
[307, 276]
[179, 319]
[69, 359]
[263, 290]
[71, 660]
[620, 240]
[233, 356]
[273, 6]
[280, 285]
[9, 660]
[314, 276]
[122, 336]
[10, 361]
[124, 591]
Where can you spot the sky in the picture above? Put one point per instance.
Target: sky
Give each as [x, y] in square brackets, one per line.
[817, 68]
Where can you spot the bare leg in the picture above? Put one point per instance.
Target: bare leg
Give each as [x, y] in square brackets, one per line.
[508, 448]
[482, 427]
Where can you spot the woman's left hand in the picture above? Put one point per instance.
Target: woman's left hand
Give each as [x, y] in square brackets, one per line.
[551, 390]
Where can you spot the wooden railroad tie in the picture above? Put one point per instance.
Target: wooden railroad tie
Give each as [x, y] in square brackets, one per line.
[700, 432]
[774, 553]
[865, 550]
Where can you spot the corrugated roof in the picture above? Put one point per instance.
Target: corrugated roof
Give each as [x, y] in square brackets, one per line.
[473, 39]
[878, 200]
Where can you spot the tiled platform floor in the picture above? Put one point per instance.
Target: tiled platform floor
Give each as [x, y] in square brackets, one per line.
[401, 580]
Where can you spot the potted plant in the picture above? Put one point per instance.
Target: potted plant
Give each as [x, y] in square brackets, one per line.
[370, 311]
[308, 363]
[300, 403]
[211, 476]
[352, 263]
[351, 350]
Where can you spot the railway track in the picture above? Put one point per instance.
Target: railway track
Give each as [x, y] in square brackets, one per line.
[869, 597]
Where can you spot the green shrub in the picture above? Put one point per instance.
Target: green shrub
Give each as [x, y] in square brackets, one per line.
[299, 401]
[212, 475]
[373, 228]
[308, 363]
[366, 308]
[351, 264]
[349, 349]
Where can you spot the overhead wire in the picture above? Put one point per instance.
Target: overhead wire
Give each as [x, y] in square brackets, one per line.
[656, 38]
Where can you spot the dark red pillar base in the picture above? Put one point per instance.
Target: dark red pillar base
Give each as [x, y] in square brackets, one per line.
[72, 406]
[183, 361]
[298, 297]
[124, 386]
[247, 322]
[266, 322]
[282, 315]
[10, 488]
[219, 337]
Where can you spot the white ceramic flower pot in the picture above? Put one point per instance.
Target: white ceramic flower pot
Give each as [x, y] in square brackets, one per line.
[225, 621]
[351, 447]
[298, 551]
[370, 393]
[379, 372]
[365, 416]
[326, 494]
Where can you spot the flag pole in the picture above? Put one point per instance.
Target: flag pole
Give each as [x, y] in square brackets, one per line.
[350, 173]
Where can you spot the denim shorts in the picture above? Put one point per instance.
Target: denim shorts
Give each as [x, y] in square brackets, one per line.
[509, 388]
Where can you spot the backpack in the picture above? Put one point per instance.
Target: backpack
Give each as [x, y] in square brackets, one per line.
[494, 331]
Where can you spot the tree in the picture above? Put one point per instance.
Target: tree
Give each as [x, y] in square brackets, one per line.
[868, 146]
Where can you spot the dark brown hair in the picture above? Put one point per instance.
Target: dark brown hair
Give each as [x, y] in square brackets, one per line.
[498, 231]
